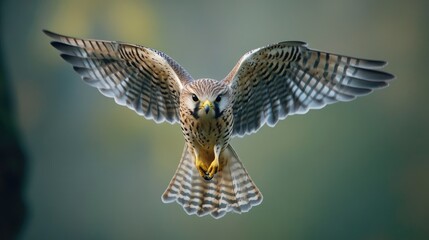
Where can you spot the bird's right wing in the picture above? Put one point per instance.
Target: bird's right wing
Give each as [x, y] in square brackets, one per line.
[143, 79]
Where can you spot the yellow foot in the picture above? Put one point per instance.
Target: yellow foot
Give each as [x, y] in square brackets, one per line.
[213, 169]
[201, 167]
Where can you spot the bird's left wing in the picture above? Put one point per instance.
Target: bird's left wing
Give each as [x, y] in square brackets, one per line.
[143, 79]
[287, 78]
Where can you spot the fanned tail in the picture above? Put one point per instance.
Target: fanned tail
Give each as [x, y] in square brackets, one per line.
[231, 189]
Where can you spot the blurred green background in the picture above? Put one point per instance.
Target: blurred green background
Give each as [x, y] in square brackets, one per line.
[96, 170]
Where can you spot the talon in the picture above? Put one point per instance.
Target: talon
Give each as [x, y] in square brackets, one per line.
[213, 169]
[207, 177]
[201, 168]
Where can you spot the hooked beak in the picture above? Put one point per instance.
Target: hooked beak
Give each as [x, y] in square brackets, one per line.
[207, 105]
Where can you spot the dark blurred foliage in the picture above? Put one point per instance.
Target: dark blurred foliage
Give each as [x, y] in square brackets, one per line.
[12, 165]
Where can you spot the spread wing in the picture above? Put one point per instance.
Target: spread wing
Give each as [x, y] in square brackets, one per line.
[143, 79]
[287, 78]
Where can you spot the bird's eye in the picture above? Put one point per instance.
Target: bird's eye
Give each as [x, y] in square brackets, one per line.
[218, 98]
[195, 98]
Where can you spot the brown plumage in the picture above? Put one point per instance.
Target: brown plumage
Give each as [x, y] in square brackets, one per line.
[266, 85]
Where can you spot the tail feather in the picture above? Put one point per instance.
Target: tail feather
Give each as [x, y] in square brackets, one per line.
[231, 189]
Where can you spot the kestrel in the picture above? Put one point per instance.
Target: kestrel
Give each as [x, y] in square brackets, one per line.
[265, 86]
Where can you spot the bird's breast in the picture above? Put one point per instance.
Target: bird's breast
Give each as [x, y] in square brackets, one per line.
[207, 134]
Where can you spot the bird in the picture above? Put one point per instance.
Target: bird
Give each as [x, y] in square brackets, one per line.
[266, 85]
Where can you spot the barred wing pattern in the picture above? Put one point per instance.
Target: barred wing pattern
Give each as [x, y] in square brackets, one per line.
[230, 189]
[143, 79]
[288, 78]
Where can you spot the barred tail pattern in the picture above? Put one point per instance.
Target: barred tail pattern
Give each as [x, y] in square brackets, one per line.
[231, 189]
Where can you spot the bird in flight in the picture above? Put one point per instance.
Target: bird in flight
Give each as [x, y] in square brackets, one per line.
[266, 85]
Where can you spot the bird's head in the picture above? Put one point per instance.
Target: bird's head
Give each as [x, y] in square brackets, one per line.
[206, 98]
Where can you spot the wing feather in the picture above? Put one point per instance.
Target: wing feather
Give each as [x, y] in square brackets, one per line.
[287, 78]
[143, 79]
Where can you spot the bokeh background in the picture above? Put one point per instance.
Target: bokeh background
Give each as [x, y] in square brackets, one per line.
[95, 170]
